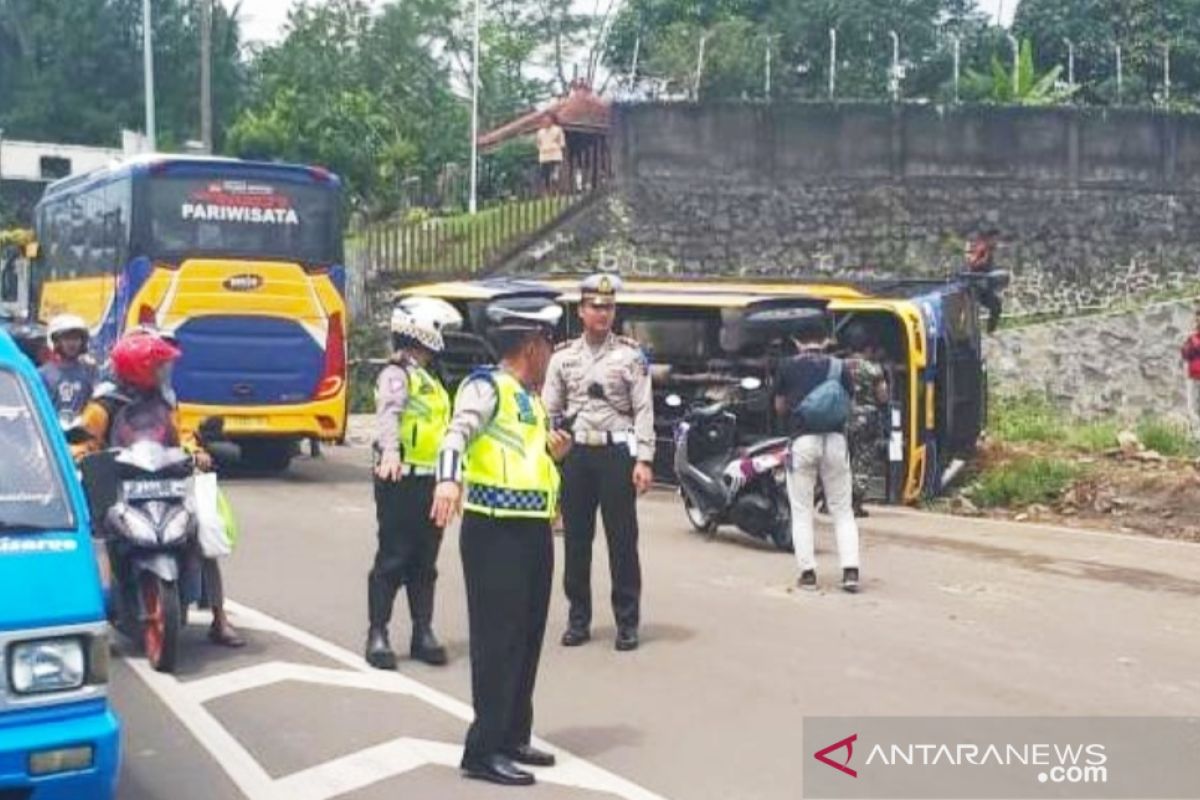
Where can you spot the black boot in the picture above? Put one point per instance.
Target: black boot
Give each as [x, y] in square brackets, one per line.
[379, 649]
[425, 646]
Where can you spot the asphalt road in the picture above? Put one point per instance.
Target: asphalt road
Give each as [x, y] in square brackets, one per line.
[956, 617]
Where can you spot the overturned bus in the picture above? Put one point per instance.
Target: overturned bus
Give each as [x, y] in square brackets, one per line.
[701, 348]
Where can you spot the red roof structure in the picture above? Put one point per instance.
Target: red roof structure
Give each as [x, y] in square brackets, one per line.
[581, 111]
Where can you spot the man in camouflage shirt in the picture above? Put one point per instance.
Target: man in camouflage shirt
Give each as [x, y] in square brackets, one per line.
[865, 430]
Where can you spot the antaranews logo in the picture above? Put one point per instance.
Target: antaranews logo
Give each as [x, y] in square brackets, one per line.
[846, 744]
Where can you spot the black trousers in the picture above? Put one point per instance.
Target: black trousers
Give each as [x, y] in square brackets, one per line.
[601, 476]
[408, 550]
[508, 565]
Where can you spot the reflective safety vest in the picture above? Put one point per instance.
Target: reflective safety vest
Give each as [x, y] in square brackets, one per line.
[425, 419]
[508, 471]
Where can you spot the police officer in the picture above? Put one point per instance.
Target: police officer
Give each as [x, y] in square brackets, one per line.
[600, 384]
[413, 411]
[70, 375]
[500, 444]
[865, 430]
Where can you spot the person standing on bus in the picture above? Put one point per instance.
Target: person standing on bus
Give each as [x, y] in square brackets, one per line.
[980, 257]
[412, 414]
[70, 374]
[600, 384]
[500, 445]
[812, 398]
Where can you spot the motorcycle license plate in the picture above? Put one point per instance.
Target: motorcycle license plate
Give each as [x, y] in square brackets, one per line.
[155, 490]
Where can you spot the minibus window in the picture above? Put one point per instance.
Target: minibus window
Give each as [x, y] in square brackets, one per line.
[31, 490]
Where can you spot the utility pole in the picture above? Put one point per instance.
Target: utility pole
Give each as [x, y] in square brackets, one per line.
[473, 203]
[148, 73]
[957, 64]
[1120, 74]
[1016, 73]
[1166, 74]
[206, 75]
[1070, 64]
[832, 62]
[895, 81]
[699, 67]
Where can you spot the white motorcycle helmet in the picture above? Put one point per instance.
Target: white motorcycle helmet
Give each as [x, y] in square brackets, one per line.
[66, 323]
[421, 320]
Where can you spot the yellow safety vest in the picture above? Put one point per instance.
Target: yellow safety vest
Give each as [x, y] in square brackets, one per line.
[425, 419]
[508, 471]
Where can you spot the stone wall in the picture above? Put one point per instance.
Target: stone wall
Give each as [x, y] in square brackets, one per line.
[1094, 207]
[1123, 364]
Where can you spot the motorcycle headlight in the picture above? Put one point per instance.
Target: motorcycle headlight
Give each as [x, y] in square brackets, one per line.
[47, 665]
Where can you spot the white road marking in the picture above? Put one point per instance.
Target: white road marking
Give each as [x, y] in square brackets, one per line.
[356, 770]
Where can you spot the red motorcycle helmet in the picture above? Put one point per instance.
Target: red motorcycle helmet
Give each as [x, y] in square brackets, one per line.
[138, 357]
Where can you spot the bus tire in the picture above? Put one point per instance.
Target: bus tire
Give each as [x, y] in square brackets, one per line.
[267, 455]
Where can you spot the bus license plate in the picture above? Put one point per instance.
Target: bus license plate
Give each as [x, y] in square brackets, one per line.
[247, 423]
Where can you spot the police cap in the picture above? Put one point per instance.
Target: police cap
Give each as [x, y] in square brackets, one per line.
[599, 289]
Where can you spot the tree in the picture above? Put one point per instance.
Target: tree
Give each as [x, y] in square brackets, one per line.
[1141, 27]
[1031, 89]
[737, 33]
[359, 93]
[72, 72]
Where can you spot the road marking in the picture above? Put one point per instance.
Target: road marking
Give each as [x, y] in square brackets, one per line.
[350, 772]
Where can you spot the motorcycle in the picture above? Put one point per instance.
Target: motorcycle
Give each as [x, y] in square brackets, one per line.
[721, 482]
[142, 499]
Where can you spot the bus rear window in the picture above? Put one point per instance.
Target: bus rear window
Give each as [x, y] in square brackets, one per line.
[228, 216]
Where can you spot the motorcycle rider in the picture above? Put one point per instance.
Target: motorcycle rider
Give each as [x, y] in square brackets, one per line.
[139, 404]
[412, 414]
[70, 374]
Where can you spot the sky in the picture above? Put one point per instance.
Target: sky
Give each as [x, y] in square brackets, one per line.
[263, 20]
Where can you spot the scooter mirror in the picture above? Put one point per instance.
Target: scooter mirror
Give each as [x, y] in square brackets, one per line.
[750, 383]
[673, 401]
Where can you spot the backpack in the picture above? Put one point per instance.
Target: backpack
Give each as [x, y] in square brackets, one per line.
[826, 408]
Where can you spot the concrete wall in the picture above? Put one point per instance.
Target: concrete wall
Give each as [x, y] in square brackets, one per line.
[1094, 206]
[1125, 365]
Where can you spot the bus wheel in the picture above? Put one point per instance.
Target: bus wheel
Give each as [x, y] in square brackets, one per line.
[267, 455]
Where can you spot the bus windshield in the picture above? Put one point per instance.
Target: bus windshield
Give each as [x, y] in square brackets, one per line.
[229, 216]
[31, 492]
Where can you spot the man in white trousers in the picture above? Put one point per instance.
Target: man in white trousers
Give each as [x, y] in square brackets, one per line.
[812, 396]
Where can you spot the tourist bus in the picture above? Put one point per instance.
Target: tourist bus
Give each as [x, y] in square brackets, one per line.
[239, 261]
[699, 349]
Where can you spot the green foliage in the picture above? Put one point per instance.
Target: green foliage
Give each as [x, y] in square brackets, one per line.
[1093, 437]
[72, 71]
[1168, 438]
[1024, 418]
[1031, 89]
[1023, 482]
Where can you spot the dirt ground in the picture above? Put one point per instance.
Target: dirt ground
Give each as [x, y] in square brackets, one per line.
[1126, 490]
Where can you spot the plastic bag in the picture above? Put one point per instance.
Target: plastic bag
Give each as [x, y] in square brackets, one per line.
[218, 530]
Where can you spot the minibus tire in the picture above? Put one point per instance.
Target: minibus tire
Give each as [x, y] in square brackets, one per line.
[164, 617]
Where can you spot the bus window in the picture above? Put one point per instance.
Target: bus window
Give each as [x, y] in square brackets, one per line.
[199, 216]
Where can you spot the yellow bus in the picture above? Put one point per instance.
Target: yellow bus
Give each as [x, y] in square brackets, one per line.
[698, 347]
[239, 261]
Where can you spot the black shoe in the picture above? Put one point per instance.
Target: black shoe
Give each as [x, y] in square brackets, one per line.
[850, 579]
[425, 647]
[496, 769]
[531, 756]
[808, 580]
[576, 636]
[627, 639]
[860, 512]
[379, 650]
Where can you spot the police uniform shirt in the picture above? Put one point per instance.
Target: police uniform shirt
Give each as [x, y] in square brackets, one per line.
[391, 397]
[474, 406]
[621, 370]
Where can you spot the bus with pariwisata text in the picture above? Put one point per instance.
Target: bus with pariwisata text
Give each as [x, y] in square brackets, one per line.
[239, 261]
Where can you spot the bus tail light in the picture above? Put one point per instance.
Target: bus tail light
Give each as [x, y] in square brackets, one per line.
[333, 379]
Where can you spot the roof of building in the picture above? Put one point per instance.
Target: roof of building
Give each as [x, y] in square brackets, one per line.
[581, 111]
